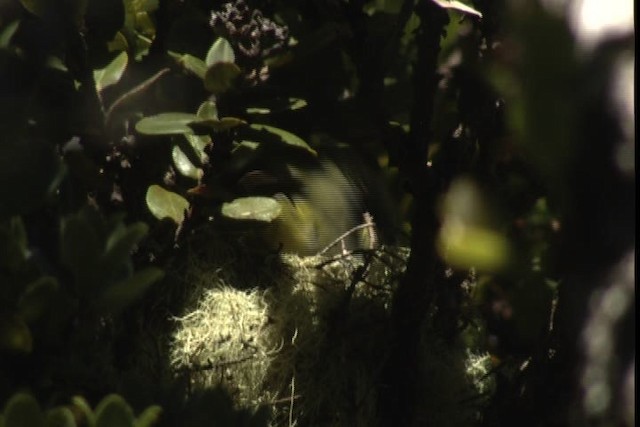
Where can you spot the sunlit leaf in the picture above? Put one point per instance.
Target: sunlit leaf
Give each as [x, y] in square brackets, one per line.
[208, 110]
[112, 73]
[257, 110]
[286, 136]
[458, 6]
[263, 209]
[220, 77]
[220, 51]
[193, 64]
[166, 204]
[199, 144]
[184, 165]
[166, 124]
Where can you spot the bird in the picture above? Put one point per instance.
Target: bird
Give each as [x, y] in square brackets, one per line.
[331, 202]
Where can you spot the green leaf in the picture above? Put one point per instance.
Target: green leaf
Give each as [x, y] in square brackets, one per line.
[37, 298]
[118, 296]
[286, 136]
[220, 77]
[263, 209]
[471, 246]
[199, 144]
[166, 124]
[149, 416]
[22, 410]
[120, 244]
[81, 405]
[208, 110]
[112, 73]
[81, 246]
[277, 105]
[184, 165]
[13, 244]
[221, 125]
[7, 34]
[60, 417]
[193, 64]
[113, 411]
[15, 335]
[220, 51]
[166, 204]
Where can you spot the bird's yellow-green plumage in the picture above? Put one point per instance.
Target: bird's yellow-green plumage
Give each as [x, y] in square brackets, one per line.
[323, 198]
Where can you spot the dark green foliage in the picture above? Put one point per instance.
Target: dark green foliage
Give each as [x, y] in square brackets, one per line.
[129, 127]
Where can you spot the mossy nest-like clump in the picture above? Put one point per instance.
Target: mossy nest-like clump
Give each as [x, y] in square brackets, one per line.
[305, 336]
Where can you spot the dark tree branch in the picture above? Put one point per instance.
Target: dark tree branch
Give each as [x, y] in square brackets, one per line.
[415, 292]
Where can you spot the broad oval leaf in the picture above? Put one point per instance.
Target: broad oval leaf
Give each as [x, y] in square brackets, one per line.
[184, 165]
[60, 417]
[208, 110]
[220, 77]
[199, 144]
[286, 136]
[166, 204]
[149, 416]
[112, 73]
[112, 411]
[220, 51]
[22, 410]
[263, 209]
[194, 65]
[166, 124]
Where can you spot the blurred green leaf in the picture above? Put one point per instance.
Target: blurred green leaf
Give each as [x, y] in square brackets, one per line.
[7, 34]
[220, 51]
[118, 296]
[37, 297]
[35, 170]
[220, 77]
[468, 246]
[15, 335]
[263, 209]
[166, 204]
[112, 73]
[121, 243]
[22, 410]
[13, 244]
[60, 417]
[82, 406]
[113, 411]
[81, 246]
[286, 136]
[166, 124]
[149, 416]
